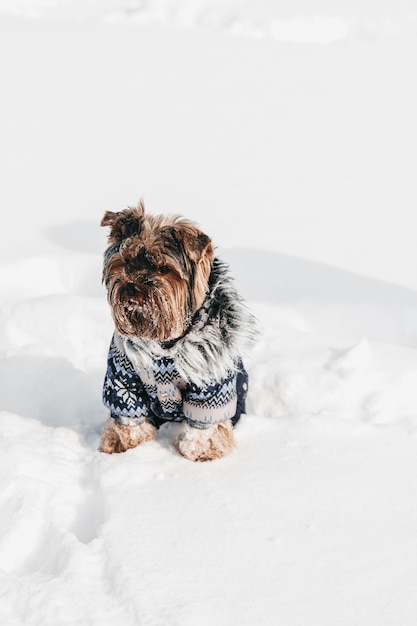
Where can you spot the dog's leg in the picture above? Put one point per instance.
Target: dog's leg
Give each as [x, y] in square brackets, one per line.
[211, 443]
[118, 438]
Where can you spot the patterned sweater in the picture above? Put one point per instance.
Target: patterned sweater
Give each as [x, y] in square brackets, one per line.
[198, 378]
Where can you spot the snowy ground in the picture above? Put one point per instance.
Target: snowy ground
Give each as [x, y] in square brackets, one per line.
[288, 131]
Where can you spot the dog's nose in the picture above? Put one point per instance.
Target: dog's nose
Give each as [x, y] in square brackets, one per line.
[132, 289]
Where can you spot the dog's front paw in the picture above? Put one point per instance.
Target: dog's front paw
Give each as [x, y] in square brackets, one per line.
[211, 443]
[118, 438]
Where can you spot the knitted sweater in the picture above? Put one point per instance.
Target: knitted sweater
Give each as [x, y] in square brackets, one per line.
[198, 378]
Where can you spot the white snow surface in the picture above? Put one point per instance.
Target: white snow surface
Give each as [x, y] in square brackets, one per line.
[288, 131]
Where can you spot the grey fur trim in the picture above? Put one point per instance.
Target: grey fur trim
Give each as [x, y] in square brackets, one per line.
[212, 346]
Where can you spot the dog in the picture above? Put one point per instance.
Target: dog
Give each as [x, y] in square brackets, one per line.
[180, 330]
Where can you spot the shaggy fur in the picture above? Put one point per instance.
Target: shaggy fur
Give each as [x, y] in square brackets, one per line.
[156, 272]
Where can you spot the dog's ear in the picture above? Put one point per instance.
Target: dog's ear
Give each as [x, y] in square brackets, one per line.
[197, 244]
[125, 223]
[199, 249]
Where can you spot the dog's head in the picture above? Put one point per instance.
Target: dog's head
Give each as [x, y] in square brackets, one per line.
[156, 271]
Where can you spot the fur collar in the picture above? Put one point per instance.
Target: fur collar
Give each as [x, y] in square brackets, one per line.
[213, 343]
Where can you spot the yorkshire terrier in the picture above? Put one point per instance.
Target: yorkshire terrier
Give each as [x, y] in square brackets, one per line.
[180, 328]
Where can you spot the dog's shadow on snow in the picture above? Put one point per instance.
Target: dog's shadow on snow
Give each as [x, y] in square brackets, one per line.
[379, 310]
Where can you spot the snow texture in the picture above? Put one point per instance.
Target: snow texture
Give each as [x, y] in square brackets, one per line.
[288, 131]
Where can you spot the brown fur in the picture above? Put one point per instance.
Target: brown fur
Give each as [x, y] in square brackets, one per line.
[118, 438]
[157, 274]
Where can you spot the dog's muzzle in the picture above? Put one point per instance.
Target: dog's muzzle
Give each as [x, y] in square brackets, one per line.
[132, 290]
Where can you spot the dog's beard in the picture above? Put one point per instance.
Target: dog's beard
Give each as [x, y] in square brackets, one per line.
[160, 312]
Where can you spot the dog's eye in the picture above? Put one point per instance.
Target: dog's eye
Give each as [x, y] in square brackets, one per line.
[164, 269]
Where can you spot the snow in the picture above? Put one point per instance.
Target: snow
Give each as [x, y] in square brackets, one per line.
[288, 131]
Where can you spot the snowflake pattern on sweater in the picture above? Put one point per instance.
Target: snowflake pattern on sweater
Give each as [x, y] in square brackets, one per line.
[159, 394]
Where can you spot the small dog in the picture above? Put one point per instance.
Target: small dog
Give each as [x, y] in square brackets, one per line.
[180, 331]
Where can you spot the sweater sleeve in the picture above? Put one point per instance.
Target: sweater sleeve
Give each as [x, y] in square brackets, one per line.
[123, 391]
[204, 406]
